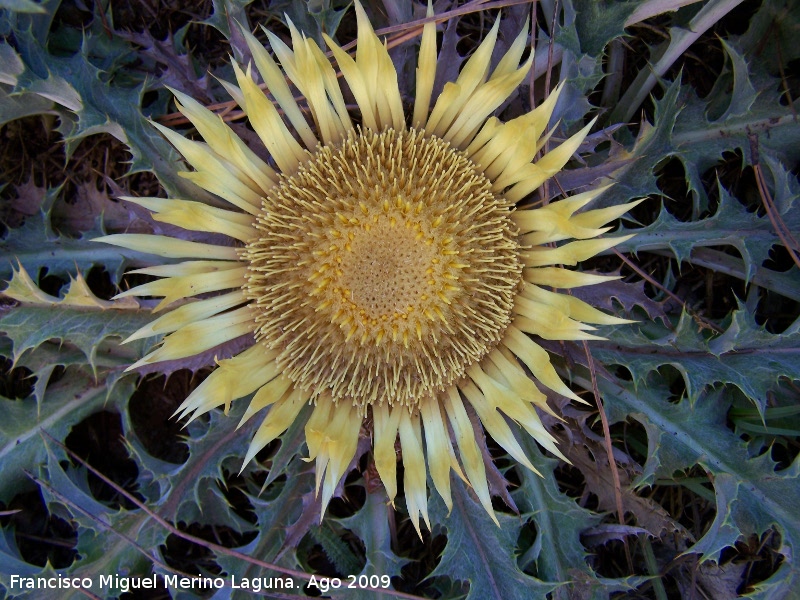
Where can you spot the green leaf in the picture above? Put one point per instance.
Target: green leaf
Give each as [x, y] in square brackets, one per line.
[11, 561]
[98, 106]
[771, 38]
[559, 520]
[336, 550]
[291, 442]
[681, 37]
[371, 525]
[36, 247]
[68, 401]
[189, 490]
[742, 94]
[652, 145]
[312, 17]
[227, 12]
[18, 106]
[732, 225]
[480, 552]
[745, 355]
[681, 129]
[751, 495]
[86, 329]
[274, 515]
[110, 541]
[598, 22]
[558, 553]
[23, 6]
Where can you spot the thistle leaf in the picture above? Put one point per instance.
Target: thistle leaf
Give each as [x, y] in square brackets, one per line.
[21, 105]
[751, 495]
[743, 94]
[189, 490]
[69, 400]
[30, 325]
[682, 129]
[559, 521]
[91, 105]
[732, 225]
[371, 525]
[480, 553]
[745, 355]
[36, 247]
[336, 550]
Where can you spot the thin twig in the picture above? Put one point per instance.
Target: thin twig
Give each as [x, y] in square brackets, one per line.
[700, 320]
[99, 8]
[469, 8]
[609, 448]
[549, 71]
[103, 524]
[548, 74]
[783, 232]
[532, 74]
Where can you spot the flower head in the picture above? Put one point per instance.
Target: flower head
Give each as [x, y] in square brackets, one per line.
[382, 269]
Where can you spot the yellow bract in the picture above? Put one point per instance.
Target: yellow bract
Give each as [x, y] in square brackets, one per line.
[23, 289]
[382, 271]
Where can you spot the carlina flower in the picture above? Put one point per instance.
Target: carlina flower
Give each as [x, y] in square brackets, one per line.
[382, 269]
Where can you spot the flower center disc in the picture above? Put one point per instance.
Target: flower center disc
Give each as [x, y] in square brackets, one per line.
[383, 269]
